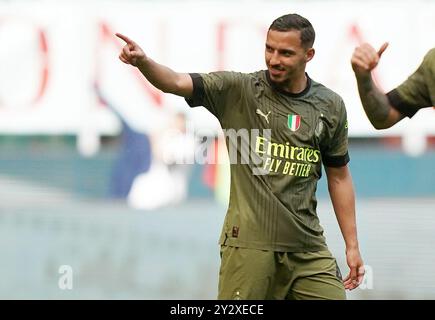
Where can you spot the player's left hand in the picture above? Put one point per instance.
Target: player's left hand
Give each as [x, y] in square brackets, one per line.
[356, 272]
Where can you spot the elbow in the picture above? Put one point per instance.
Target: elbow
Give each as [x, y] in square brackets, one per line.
[171, 85]
[332, 184]
[166, 90]
[174, 87]
[380, 125]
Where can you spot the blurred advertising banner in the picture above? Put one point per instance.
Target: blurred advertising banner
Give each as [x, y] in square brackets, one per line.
[59, 60]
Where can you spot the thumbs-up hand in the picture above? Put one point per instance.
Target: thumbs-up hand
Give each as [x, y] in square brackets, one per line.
[365, 58]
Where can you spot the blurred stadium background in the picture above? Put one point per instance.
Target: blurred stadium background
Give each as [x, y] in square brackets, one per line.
[81, 134]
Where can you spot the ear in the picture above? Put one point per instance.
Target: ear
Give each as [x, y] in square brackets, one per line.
[310, 54]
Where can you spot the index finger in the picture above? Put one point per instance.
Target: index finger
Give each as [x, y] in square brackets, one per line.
[125, 38]
[354, 275]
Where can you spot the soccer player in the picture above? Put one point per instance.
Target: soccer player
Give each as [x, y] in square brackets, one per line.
[385, 110]
[272, 245]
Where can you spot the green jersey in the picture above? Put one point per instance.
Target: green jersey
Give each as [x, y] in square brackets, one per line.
[282, 141]
[418, 91]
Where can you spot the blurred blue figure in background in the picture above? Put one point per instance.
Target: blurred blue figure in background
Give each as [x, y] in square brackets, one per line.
[134, 159]
[134, 155]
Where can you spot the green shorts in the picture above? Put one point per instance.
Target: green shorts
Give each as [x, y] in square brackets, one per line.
[253, 274]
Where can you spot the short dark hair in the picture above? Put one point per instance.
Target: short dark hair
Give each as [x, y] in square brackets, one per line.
[294, 21]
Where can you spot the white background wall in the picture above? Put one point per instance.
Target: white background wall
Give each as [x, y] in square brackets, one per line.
[188, 36]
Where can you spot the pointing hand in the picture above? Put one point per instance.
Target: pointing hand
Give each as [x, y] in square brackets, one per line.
[131, 53]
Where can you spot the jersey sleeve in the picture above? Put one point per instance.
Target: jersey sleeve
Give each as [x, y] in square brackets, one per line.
[413, 94]
[335, 153]
[215, 91]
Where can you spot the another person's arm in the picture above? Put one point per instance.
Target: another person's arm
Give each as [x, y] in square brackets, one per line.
[343, 200]
[160, 76]
[376, 104]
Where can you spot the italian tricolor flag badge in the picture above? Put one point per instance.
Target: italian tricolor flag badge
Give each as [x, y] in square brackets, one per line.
[294, 122]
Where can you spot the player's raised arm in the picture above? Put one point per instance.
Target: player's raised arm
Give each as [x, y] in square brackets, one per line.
[376, 105]
[160, 76]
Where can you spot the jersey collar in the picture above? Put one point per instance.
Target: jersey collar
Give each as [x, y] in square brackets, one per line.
[293, 95]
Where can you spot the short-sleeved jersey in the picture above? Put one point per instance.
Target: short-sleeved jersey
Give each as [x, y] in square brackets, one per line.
[418, 91]
[282, 141]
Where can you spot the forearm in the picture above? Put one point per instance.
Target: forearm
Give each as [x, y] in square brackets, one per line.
[375, 102]
[163, 78]
[343, 200]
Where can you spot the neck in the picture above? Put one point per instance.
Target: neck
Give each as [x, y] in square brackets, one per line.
[295, 85]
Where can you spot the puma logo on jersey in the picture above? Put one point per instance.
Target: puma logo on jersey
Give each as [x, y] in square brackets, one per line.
[265, 116]
[319, 129]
